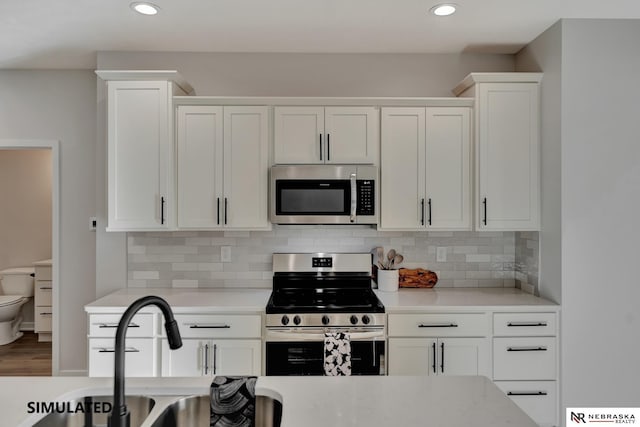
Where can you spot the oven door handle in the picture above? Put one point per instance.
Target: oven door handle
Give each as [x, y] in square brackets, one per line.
[318, 336]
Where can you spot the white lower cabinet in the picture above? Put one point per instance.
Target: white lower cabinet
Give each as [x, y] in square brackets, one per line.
[539, 399]
[438, 356]
[140, 357]
[198, 357]
[525, 362]
[439, 344]
[212, 344]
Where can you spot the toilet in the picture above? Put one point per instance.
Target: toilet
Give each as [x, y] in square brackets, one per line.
[16, 287]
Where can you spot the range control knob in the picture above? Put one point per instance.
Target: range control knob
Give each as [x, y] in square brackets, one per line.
[285, 320]
[366, 319]
[325, 320]
[353, 319]
[297, 319]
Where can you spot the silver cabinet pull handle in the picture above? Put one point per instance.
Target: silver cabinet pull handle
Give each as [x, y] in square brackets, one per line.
[354, 197]
[527, 393]
[211, 326]
[527, 348]
[115, 325]
[437, 325]
[113, 350]
[206, 359]
[516, 324]
[215, 365]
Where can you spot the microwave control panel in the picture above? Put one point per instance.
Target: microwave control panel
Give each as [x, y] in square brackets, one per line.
[366, 197]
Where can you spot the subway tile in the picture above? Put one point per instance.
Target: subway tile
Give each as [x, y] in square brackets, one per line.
[465, 249]
[478, 258]
[184, 283]
[145, 275]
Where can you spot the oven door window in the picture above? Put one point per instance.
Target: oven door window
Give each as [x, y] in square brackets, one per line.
[313, 197]
[307, 358]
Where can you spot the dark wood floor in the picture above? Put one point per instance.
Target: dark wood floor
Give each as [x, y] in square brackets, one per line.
[26, 357]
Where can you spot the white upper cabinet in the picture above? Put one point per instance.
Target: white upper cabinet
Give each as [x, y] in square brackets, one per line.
[507, 149]
[222, 167]
[140, 169]
[425, 168]
[318, 135]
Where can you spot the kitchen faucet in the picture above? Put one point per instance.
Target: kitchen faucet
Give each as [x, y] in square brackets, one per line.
[120, 416]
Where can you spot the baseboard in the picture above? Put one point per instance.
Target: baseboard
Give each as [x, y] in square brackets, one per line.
[72, 373]
[27, 326]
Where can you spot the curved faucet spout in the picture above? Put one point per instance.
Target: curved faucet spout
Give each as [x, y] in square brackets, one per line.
[120, 414]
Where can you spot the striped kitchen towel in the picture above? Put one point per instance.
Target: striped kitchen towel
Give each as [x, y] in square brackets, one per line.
[337, 354]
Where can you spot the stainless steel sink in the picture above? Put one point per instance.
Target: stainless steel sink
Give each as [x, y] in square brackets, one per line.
[194, 411]
[139, 407]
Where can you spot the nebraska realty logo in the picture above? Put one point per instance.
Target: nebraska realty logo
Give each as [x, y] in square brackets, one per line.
[602, 415]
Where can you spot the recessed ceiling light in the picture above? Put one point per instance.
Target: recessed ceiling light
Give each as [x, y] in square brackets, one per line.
[444, 9]
[144, 8]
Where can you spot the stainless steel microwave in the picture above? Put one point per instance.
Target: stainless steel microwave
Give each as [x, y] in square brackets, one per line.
[323, 194]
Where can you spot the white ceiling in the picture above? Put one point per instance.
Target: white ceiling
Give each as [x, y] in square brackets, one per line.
[68, 33]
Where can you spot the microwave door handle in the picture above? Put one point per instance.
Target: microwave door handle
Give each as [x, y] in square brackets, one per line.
[354, 191]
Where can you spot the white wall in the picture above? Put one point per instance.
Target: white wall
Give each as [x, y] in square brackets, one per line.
[600, 208]
[25, 207]
[60, 105]
[590, 106]
[545, 54]
[290, 74]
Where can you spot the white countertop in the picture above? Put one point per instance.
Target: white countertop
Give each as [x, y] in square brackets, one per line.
[43, 263]
[196, 300]
[442, 299]
[373, 401]
[187, 300]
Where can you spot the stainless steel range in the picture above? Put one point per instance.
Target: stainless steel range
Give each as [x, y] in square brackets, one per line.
[315, 293]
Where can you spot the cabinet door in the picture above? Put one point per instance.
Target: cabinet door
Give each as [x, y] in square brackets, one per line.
[448, 168]
[140, 357]
[351, 134]
[237, 357]
[508, 156]
[246, 139]
[190, 360]
[463, 356]
[298, 133]
[139, 155]
[402, 168]
[200, 162]
[412, 356]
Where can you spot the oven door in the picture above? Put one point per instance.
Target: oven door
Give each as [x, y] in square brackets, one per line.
[302, 353]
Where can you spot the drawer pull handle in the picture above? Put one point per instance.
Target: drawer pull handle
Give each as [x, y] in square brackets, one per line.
[526, 348]
[437, 325]
[433, 346]
[214, 326]
[45, 288]
[206, 359]
[527, 393]
[515, 324]
[113, 350]
[45, 314]
[115, 325]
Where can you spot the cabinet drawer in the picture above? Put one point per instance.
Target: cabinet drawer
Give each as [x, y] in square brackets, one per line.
[524, 358]
[219, 326]
[524, 324]
[537, 398]
[139, 357]
[43, 293]
[439, 325]
[43, 272]
[42, 319]
[105, 325]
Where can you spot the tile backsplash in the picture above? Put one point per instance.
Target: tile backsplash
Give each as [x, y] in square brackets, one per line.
[527, 255]
[193, 259]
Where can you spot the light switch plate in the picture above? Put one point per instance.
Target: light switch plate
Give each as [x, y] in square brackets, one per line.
[441, 254]
[225, 253]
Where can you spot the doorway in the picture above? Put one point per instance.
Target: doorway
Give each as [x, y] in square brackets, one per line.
[31, 239]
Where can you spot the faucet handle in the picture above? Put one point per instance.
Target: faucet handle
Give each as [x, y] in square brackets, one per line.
[173, 334]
